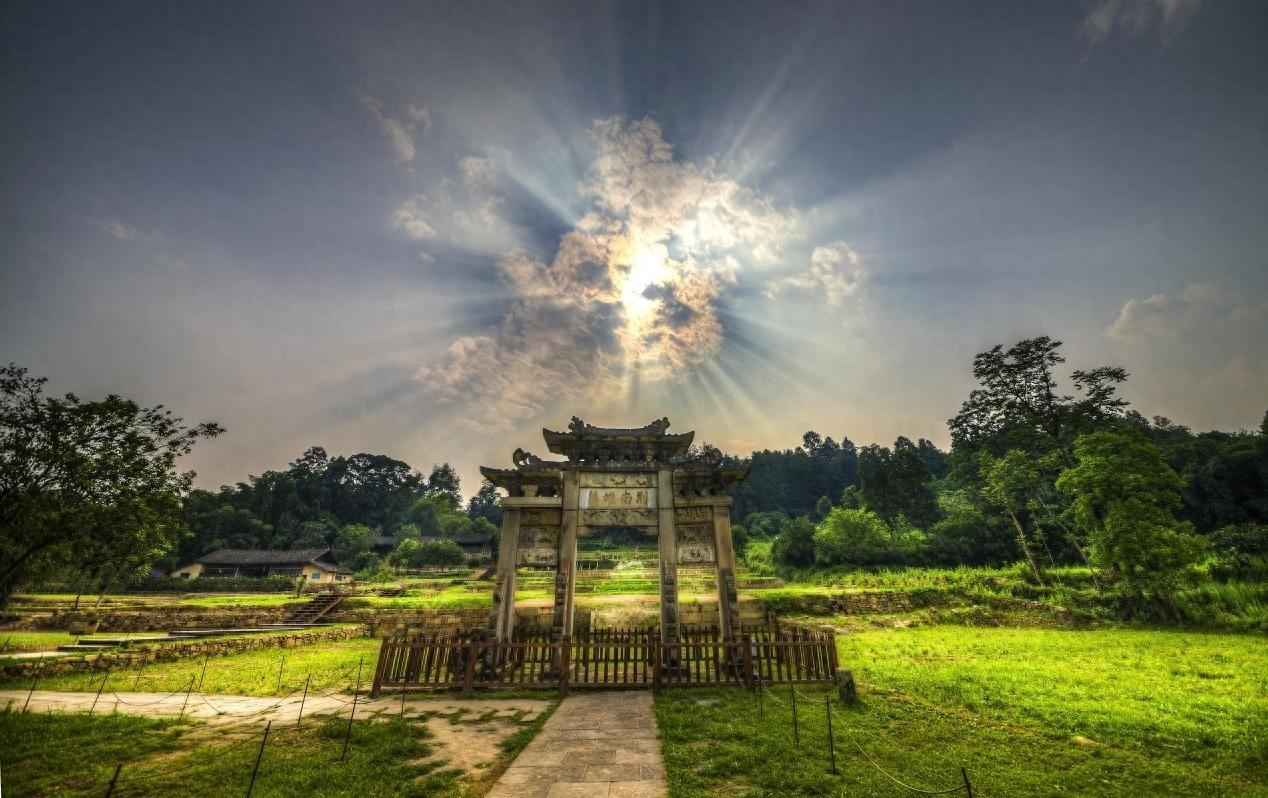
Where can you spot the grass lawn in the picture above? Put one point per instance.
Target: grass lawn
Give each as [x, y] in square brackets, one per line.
[1028, 712]
[73, 754]
[333, 665]
[244, 600]
[11, 642]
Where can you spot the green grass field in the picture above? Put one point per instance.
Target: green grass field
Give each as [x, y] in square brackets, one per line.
[73, 754]
[1105, 712]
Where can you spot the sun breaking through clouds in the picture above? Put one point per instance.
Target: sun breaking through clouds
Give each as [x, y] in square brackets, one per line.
[631, 292]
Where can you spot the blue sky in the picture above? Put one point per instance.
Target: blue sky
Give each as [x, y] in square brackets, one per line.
[430, 229]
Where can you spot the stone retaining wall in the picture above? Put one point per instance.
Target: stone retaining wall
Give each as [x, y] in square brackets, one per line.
[156, 619]
[135, 655]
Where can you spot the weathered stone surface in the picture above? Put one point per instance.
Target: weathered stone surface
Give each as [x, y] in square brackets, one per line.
[597, 744]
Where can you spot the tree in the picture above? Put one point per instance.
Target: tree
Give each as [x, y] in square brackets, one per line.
[486, 504]
[795, 544]
[77, 477]
[1018, 405]
[1124, 495]
[1008, 482]
[896, 483]
[855, 537]
[444, 479]
[411, 553]
[351, 542]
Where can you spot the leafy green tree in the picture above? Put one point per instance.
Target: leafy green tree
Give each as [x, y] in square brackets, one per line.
[444, 479]
[406, 553]
[1008, 482]
[897, 483]
[763, 526]
[79, 477]
[968, 536]
[351, 542]
[795, 544]
[437, 552]
[486, 504]
[1125, 496]
[822, 508]
[408, 531]
[853, 537]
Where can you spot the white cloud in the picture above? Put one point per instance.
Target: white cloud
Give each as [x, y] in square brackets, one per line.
[411, 219]
[1138, 17]
[399, 134]
[1200, 312]
[124, 232]
[834, 273]
[630, 292]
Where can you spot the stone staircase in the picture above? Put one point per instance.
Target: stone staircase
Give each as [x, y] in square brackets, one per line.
[314, 610]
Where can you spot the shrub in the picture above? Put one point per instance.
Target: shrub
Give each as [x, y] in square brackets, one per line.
[856, 537]
[795, 544]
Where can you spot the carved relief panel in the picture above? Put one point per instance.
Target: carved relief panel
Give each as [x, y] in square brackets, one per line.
[695, 544]
[693, 514]
[622, 517]
[608, 480]
[539, 538]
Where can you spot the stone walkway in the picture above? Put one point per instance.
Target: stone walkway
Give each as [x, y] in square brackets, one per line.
[596, 745]
[257, 709]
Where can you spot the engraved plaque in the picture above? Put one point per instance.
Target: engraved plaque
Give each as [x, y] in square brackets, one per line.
[697, 534]
[631, 517]
[643, 480]
[695, 554]
[538, 557]
[617, 498]
[693, 515]
[539, 537]
[537, 517]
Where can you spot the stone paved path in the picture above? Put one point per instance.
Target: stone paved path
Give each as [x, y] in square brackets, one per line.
[256, 709]
[596, 745]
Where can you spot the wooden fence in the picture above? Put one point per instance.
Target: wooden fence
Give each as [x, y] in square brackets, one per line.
[606, 658]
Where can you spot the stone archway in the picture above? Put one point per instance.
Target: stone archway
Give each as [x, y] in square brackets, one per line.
[639, 478]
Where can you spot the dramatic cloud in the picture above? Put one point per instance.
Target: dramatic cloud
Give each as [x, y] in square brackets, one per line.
[1198, 354]
[411, 219]
[834, 273]
[1138, 17]
[1199, 312]
[630, 292]
[399, 134]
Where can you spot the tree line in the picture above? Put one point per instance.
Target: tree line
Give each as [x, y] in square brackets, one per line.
[1035, 473]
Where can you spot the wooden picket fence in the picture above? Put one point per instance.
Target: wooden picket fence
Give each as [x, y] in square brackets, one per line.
[606, 659]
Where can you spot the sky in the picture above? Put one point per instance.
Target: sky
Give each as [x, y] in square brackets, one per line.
[430, 229]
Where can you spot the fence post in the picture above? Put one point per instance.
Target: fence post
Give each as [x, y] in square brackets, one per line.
[468, 674]
[655, 640]
[379, 669]
[747, 642]
[565, 663]
[968, 785]
[832, 750]
[258, 756]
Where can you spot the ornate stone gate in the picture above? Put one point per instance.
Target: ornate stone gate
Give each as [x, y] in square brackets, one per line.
[640, 478]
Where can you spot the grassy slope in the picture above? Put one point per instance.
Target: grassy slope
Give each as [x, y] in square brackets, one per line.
[333, 666]
[1157, 713]
[74, 755]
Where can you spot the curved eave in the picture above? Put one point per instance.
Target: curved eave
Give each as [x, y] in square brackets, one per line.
[563, 442]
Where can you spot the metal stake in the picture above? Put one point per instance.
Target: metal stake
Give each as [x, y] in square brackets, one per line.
[792, 693]
[832, 751]
[968, 785]
[280, 665]
[355, 695]
[258, 756]
[137, 681]
[114, 779]
[187, 694]
[98, 696]
[204, 673]
[33, 684]
[300, 719]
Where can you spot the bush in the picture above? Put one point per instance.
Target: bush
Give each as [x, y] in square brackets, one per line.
[853, 537]
[795, 544]
[1241, 552]
[218, 584]
[411, 553]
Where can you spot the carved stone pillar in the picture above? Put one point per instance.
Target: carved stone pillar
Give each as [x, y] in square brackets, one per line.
[503, 618]
[667, 536]
[566, 569]
[724, 548]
